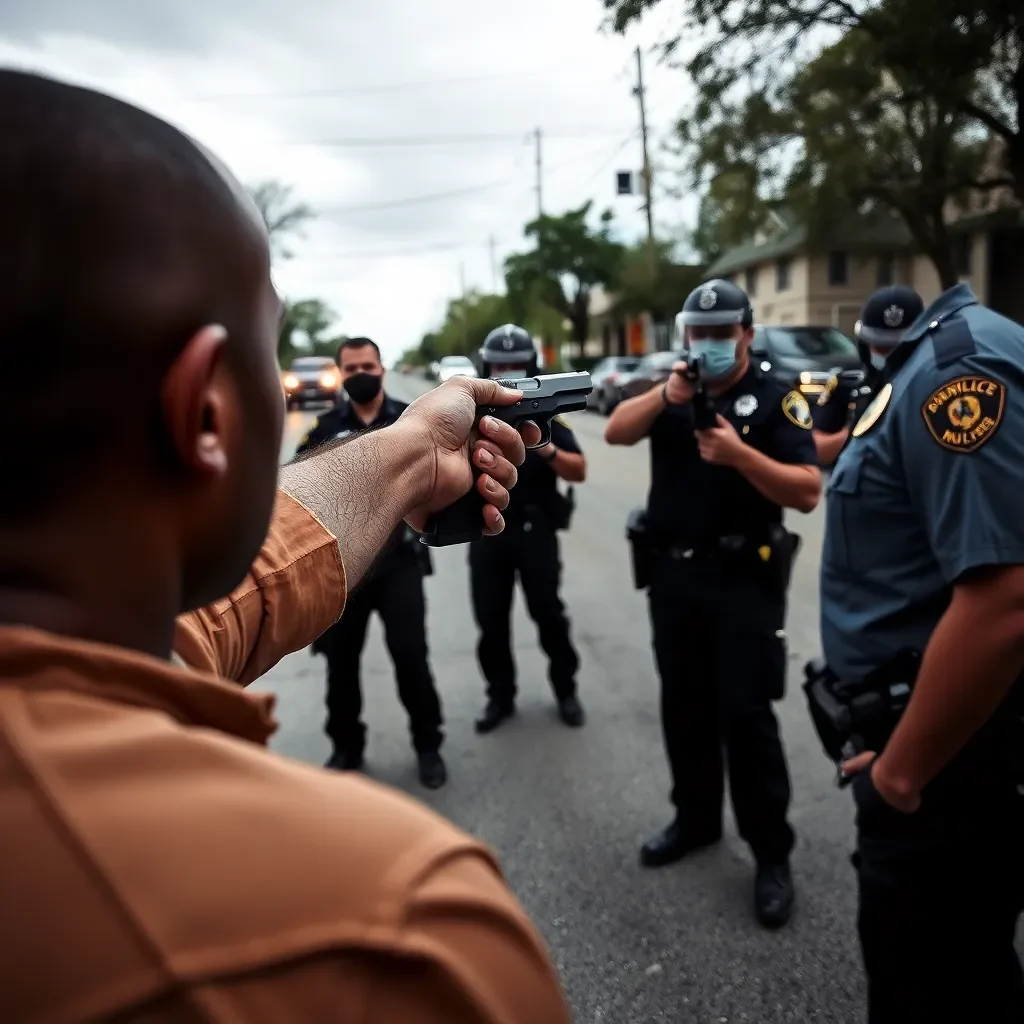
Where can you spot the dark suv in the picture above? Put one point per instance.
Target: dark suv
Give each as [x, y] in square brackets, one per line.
[808, 357]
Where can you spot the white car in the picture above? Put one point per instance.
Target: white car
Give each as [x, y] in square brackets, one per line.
[455, 366]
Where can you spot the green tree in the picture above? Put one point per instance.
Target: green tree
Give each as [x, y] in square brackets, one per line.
[569, 260]
[303, 329]
[661, 295]
[281, 214]
[968, 59]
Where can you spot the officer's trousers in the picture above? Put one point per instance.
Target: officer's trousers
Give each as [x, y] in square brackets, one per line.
[395, 592]
[529, 550]
[940, 894]
[721, 657]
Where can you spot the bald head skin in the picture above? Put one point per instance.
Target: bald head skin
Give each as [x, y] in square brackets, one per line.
[140, 403]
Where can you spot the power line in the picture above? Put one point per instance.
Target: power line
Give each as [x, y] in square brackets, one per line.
[441, 196]
[356, 142]
[365, 90]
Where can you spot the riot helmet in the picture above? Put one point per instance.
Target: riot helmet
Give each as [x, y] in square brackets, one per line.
[711, 317]
[511, 349]
[717, 303]
[887, 315]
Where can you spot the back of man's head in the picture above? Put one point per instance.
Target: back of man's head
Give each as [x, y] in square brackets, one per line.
[137, 325]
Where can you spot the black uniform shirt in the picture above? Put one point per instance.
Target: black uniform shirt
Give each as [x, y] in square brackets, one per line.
[693, 502]
[537, 479]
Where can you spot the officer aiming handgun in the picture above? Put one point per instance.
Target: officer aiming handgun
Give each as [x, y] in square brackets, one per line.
[730, 448]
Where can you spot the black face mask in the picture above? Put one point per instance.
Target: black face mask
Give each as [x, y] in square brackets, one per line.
[363, 388]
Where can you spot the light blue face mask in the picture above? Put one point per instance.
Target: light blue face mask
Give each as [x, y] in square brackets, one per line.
[878, 359]
[719, 356]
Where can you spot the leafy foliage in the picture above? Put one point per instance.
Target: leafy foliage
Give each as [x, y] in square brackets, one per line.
[280, 213]
[570, 259]
[303, 330]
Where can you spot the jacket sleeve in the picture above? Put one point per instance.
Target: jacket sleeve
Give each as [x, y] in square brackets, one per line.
[293, 592]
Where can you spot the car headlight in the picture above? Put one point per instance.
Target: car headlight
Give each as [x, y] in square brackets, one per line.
[291, 383]
[329, 381]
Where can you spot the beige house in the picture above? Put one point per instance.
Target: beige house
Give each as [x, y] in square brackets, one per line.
[791, 281]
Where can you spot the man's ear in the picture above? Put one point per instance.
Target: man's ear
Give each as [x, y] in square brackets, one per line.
[194, 400]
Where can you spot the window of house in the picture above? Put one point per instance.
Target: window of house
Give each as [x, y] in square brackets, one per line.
[886, 269]
[751, 282]
[963, 246]
[782, 272]
[838, 268]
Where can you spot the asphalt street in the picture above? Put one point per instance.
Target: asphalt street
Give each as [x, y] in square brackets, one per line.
[566, 810]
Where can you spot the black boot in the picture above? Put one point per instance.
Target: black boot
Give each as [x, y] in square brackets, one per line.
[345, 761]
[774, 894]
[674, 843]
[494, 714]
[432, 770]
[570, 711]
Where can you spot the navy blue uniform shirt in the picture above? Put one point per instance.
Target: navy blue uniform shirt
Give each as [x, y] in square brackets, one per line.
[929, 486]
[693, 502]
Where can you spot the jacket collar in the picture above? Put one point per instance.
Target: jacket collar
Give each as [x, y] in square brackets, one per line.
[34, 660]
[946, 305]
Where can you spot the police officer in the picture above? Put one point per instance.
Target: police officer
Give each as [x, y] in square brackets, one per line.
[394, 590]
[528, 546]
[718, 564]
[885, 318]
[924, 557]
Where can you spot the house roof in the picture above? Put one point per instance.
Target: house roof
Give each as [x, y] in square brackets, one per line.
[857, 232]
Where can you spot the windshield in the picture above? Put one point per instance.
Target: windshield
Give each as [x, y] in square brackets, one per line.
[800, 342]
[311, 364]
[625, 363]
[455, 361]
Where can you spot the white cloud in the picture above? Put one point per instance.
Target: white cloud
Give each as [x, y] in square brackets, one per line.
[272, 89]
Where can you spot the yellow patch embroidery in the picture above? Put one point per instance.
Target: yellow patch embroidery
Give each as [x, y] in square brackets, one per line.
[965, 412]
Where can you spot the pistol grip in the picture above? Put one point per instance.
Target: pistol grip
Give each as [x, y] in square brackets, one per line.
[459, 523]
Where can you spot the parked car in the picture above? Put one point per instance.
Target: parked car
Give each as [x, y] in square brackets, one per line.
[311, 379]
[608, 371]
[455, 366]
[653, 369]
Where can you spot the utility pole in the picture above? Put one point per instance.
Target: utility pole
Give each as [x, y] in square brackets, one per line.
[462, 290]
[648, 206]
[540, 183]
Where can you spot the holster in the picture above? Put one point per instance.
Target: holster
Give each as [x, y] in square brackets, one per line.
[850, 718]
[562, 507]
[640, 548]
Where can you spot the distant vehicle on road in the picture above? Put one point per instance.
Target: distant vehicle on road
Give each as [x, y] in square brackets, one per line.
[608, 371]
[311, 379]
[455, 366]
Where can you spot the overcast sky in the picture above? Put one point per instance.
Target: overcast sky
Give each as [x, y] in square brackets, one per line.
[295, 90]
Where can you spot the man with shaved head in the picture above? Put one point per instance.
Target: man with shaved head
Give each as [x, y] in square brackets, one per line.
[159, 863]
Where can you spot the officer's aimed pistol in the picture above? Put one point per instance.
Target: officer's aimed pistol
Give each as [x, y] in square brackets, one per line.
[543, 399]
[704, 415]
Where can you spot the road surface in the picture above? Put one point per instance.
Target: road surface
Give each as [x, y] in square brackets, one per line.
[567, 809]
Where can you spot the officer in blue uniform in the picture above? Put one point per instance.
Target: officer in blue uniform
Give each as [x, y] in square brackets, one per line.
[922, 585]
[528, 548]
[717, 561]
[394, 589]
[885, 318]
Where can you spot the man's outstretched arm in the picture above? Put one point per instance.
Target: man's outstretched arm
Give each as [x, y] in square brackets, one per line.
[336, 510]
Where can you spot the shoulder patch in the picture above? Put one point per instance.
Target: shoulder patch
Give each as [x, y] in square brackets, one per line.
[965, 412]
[560, 420]
[796, 410]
